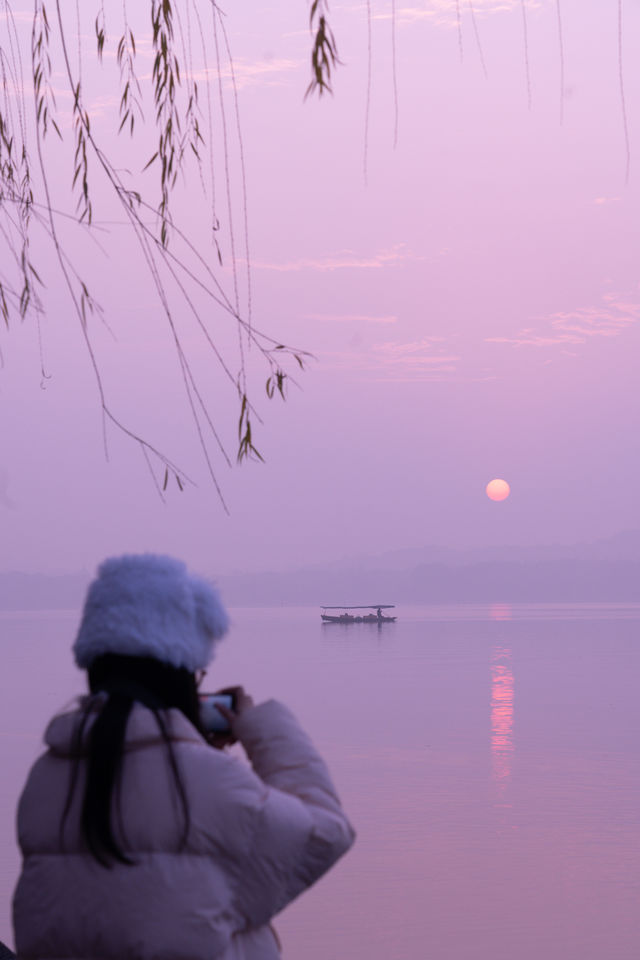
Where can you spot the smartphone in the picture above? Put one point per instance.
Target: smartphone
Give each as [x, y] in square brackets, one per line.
[210, 717]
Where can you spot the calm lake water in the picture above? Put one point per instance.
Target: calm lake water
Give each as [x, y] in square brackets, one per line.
[488, 757]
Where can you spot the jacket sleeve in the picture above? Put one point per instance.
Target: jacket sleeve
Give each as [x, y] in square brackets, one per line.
[300, 829]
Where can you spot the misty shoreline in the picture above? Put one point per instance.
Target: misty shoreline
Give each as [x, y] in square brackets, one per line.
[606, 571]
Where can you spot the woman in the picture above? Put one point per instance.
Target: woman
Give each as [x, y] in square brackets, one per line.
[140, 841]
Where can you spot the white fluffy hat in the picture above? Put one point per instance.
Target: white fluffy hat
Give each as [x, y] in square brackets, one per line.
[150, 606]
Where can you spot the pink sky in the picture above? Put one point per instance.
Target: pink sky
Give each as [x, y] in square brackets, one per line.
[473, 308]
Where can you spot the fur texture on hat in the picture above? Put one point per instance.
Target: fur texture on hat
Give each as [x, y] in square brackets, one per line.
[150, 606]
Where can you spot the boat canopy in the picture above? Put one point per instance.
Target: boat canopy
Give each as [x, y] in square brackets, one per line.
[370, 606]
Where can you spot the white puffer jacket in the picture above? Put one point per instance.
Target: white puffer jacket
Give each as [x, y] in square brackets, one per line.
[258, 837]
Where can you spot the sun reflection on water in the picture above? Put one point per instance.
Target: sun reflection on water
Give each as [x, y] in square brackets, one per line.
[502, 745]
[500, 611]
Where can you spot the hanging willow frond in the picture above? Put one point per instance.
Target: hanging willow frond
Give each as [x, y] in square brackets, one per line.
[183, 277]
[324, 52]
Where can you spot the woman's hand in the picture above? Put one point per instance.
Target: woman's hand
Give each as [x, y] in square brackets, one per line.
[242, 702]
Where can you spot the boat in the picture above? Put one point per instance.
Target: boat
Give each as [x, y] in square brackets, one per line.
[345, 617]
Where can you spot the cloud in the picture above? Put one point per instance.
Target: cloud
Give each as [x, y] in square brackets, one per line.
[245, 71]
[350, 318]
[414, 357]
[534, 340]
[267, 72]
[616, 315]
[394, 360]
[106, 106]
[344, 260]
[411, 350]
[586, 322]
[446, 12]
[19, 16]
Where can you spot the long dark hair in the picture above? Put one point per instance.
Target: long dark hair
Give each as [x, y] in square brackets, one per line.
[125, 680]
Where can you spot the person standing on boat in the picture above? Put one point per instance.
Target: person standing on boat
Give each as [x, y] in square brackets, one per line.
[139, 839]
[379, 614]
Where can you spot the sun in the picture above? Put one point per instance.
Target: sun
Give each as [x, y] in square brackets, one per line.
[498, 489]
